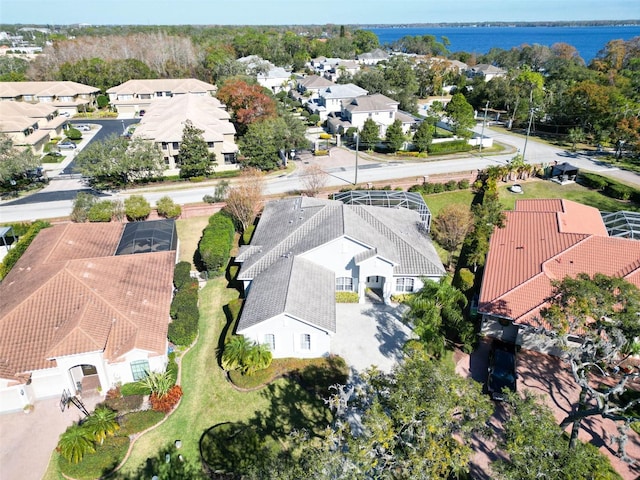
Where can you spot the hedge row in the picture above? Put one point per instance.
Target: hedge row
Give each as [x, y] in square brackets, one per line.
[609, 187]
[428, 188]
[449, 147]
[216, 242]
[184, 312]
[20, 247]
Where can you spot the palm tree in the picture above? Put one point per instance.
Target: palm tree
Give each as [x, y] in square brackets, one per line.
[435, 312]
[102, 423]
[258, 358]
[235, 352]
[158, 382]
[75, 443]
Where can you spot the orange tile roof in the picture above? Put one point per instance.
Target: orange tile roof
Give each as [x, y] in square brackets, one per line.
[546, 240]
[68, 294]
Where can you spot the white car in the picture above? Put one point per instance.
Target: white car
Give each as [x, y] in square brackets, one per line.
[67, 144]
[83, 128]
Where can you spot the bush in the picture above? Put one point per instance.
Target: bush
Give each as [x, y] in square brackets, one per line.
[464, 280]
[618, 191]
[102, 101]
[167, 208]
[182, 274]
[129, 403]
[185, 314]
[451, 185]
[463, 184]
[137, 208]
[73, 134]
[314, 119]
[449, 147]
[20, 247]
[167, 402]
[346, 297]
[404, 153]
[593, 181]
[101, 211]
[215, 245]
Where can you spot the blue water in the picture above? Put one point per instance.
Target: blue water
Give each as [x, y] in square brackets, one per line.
[587, 40]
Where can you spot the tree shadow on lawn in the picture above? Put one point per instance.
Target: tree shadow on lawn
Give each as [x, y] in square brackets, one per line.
[296, 403]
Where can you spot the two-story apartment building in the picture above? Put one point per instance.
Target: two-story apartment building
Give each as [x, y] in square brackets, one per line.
[31, 125]
[164, 123]
[68, 97]
[135, 96]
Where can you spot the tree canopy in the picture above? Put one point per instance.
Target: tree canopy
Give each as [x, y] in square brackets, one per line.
[195, 158]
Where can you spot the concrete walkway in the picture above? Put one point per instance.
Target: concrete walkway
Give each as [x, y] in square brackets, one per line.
[369, 334]
[27, 440]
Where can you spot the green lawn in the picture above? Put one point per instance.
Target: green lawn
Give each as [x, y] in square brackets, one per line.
[547, 189]
[437, 201]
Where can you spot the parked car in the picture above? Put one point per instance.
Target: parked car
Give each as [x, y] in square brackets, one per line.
[82, 128]
[67, 145]
[502, 369]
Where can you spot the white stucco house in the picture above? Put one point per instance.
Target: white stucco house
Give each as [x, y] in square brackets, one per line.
[85, 308]
[304, 250]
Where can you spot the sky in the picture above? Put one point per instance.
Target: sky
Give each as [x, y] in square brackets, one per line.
[311, 12]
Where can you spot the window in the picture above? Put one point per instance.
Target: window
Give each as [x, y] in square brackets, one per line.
[344, 284]
[140, 369]
[175, 145]
[230, 158]
[164, 145]
[404, 285]
[270, 341]
[390, 114]
[305, 341]
[210, 144]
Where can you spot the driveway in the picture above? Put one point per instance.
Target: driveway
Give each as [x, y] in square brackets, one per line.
[369, 334]
[551, 378]
[27, 441]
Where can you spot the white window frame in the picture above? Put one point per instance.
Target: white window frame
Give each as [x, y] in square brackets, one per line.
[270, 341]
[344, 284]
[405, 284]
[305, 341]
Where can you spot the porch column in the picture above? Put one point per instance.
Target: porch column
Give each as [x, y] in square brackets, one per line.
[362, 285]
[386, 290]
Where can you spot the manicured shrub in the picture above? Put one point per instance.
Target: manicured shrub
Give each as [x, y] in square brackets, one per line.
[404, 153]
[73, 133]
[167, 208]
[314, 119]
[137, 208]
[591, 180]
[101, 211]
[129, 403]
[20, 247]
[167, 402]
[346, 297]
[463, 184]
[102, 101]
[618, 191]
[449, 147]
[451, 185]
[215, 245]
[437, 187]
[464, 280]
[185, 314]
[182, 274]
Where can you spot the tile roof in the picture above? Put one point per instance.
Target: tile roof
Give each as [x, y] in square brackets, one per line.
[315, 81]
[174, 85]
[543, 241]
[68, 294]
[17, 89]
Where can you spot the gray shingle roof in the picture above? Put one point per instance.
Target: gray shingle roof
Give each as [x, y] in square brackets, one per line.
[372, 103]
[293, 286]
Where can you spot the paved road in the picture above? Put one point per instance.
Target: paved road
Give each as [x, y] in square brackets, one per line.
[56, 199]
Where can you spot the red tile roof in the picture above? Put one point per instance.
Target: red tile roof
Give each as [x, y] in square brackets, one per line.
[546, 240]
[68, 294]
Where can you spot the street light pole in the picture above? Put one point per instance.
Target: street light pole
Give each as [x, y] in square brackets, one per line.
[355, 181]
[484, 122]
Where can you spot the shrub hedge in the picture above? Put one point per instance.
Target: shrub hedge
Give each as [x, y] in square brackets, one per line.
[215, 245]
[167, 208]
[449, 147]
[181, 274]
[137, 208]
[609, 187]
[101, 211]
[346, 297]
[428, 188]
[20, 247]
[184, 312]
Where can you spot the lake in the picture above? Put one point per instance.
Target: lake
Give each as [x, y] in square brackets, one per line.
[587, 40]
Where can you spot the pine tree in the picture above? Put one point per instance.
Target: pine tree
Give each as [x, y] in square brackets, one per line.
[195, 158]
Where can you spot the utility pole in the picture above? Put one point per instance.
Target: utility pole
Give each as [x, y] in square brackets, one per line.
[355, 181]
[484, 122]
[524, 150]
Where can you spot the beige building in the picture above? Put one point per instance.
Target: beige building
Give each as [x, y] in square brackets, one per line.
[68, 97]
[31, 124]
[164, 121]
[134, 97]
